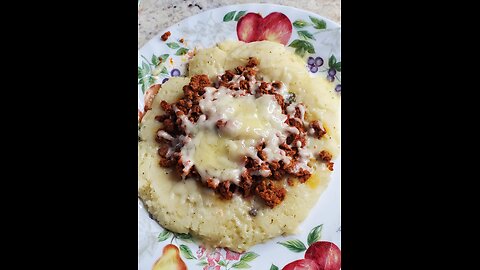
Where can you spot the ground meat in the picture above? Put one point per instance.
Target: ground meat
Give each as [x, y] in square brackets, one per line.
[266, 172]
[225, 84]
[325, 156]
[278, 174]
[290, 139]
[294, 122]
[262, 155]
[163, 150]
[179, 113]
[298, 113]
[280, 102]
[169, 126]
[249, 72]
[274, 165]
[244, 85]
[252, 62]
[166, 107]
[211, 184]
[188, 92]
[318, 130]
[161, 118]
[198, 82]
[180, 169]
[330, 166]
[224, 190]
[246, 183]
[228, 76]
[192, 173]
[252, 164]
[302, 175]
[260, 146]
[271, 195]
[195, 109]
[239, 70]
[165, 162]
[165, 36]
[299, 138]
[264, 89]
[288, 150]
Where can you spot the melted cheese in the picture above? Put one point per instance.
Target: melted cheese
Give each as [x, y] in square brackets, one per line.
[249, 121]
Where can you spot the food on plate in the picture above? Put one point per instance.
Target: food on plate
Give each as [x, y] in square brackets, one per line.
[239, 151]
[170, 259]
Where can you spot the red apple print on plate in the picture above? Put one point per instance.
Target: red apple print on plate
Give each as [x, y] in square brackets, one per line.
[248, 29]
[275, 27]
[325, 254]
[303, 264]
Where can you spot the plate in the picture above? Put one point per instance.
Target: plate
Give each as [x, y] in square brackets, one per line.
[313, 37]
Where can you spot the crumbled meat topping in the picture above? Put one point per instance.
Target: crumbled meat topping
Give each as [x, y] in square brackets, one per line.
[326, 157]
[317, 130]
[269, 193]
[261, 176]
[166, 35]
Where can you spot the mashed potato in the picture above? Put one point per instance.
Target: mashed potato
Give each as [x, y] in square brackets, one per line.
[187, 206]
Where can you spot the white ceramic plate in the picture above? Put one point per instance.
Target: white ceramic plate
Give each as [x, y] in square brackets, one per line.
[312, 36]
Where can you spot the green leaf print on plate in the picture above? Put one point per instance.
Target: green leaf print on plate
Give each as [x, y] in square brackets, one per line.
[300, 24]
[186, 252]
[315, 234]
[318, 24]
[229, 16]
[294, 245]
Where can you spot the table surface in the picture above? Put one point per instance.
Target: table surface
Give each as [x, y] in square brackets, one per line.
[156, 15]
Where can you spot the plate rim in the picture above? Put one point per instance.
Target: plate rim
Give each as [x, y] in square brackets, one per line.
[238, 5]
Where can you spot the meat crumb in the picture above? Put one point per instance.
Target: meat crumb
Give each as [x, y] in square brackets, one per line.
[224, 190]
[330, 166]
[325, 156]
[166, 35]
[271, 195]
[252, 62]
[318, 130]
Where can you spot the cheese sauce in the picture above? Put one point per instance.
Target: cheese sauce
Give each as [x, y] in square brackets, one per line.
[218, 153]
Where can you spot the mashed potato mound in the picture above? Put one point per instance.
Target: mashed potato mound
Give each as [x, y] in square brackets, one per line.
[187, 206]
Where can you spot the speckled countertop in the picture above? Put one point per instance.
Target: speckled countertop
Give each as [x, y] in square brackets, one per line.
[156, 15]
